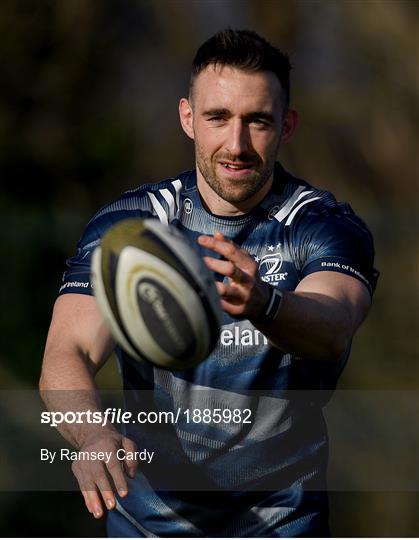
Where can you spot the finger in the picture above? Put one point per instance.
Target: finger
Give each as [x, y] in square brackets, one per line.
[229, 293]
[86, 501]
[233, 299]
[130, 465]
[239, 276]
[99, 476]
[218, 235]
[227, 268]
[88, 490]
[93, 502]
[116, 472]
[233, 308]
[221, 288]
[218, 244]
[228, 249]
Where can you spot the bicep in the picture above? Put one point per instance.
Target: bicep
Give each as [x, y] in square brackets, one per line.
[77, 330]
[347, 293]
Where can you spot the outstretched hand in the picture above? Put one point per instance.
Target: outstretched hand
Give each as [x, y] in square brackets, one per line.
[98, 479]
[243, 295]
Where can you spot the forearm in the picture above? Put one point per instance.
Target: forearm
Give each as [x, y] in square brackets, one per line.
[67, 384]
[315, 321]
[78, 344]
[309, 325]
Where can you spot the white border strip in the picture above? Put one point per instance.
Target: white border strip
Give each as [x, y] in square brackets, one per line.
[161, 214]
[295, 197]
[292, 215]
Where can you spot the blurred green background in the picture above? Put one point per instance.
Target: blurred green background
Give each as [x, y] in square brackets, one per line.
[88, 109]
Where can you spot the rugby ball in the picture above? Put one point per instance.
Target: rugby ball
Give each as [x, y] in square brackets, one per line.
[156, 294]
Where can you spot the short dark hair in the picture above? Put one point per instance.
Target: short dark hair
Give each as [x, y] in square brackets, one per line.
[246, 50]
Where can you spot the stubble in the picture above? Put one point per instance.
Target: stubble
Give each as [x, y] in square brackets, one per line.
[234, 191]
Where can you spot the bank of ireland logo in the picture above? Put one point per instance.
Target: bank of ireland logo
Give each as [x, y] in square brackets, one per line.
[270, 265]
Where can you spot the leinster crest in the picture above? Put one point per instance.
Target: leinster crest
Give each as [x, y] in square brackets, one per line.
[270, 266]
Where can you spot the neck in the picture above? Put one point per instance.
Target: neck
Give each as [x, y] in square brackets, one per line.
[220, 207]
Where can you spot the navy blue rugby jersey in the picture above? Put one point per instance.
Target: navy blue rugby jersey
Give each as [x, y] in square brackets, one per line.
[262, 472]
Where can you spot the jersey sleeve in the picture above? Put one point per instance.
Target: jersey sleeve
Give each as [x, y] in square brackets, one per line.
[76, 278]
[337, 240]
[157, 201]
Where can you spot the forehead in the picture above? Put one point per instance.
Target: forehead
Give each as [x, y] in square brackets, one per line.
[236, 90]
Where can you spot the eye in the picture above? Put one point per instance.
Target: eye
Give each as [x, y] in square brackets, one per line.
[216, 119]
[260, 123]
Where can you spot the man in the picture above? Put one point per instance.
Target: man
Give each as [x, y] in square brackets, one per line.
[295, 275]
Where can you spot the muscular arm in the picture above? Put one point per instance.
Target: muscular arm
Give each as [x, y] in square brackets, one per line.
[319, 318]
[316, 321]
[78, 344]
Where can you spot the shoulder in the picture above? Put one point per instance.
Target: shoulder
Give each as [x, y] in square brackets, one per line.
[158, 199]
[325, 234]
[309, 209]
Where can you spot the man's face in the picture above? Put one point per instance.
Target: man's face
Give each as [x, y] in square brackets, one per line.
[237, 124]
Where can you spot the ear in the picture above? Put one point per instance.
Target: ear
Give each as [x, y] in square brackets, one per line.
[289, 125]
[186, 117]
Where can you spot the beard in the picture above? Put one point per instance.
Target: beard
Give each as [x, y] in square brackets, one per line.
[235, 191]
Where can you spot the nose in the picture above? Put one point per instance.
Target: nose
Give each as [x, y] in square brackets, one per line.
[238, 141]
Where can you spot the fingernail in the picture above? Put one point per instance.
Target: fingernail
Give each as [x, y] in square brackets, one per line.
[109, 503]
[122, 491]
[97, 513]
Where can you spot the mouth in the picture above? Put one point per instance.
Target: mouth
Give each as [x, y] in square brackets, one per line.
[236, 169]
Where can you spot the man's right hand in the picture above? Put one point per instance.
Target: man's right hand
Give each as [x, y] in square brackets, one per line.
[98, 479]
